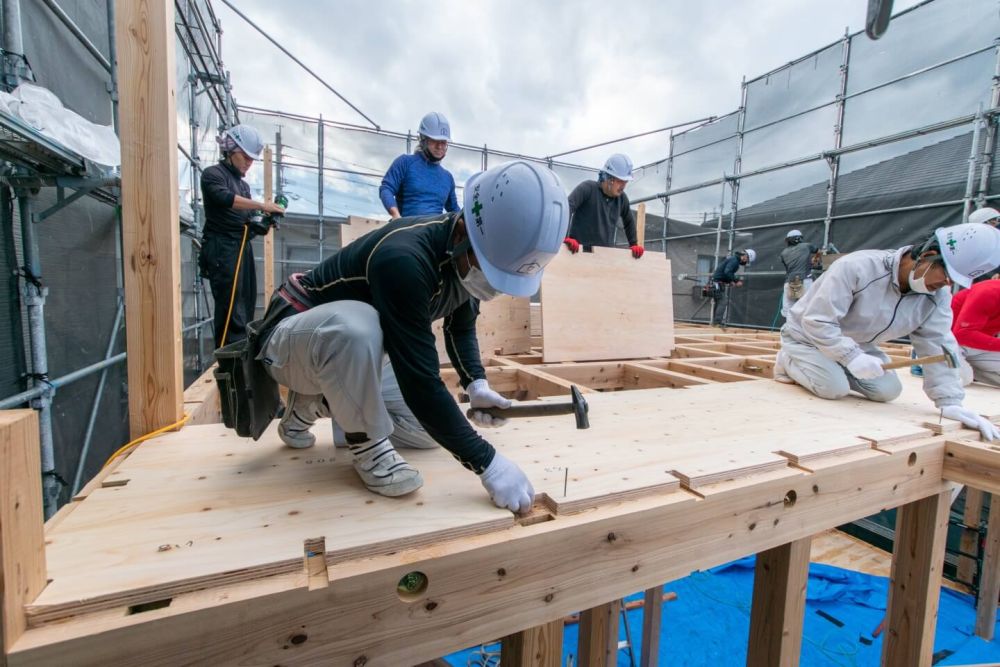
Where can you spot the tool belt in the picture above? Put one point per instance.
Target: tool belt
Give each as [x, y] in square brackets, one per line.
[796, 288]
[247, 393]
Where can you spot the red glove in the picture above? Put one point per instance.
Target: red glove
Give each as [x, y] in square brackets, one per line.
[572, 244]
[637, 251]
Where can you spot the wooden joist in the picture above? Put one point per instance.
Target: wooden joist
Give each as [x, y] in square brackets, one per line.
[779, 602]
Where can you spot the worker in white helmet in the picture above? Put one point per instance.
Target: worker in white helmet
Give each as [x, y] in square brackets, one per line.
[797, 258]
[724, 278]
[597, 207]
[326, 330]
[417, 184]
[829, 345]
[986, 215]
[228, 207]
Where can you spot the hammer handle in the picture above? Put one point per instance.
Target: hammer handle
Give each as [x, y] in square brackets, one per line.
[933, 359]
[537, 410]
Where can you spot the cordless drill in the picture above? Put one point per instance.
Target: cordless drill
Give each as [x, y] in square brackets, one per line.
[261, 223]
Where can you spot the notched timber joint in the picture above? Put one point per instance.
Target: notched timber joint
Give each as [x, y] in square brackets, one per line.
[314, 562]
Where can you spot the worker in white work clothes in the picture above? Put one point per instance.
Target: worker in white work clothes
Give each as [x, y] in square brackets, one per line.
[327, 330]
[417, 184]
[797, 258]
[725, 277]
[985, 215]
[597, 207]
[829, 345]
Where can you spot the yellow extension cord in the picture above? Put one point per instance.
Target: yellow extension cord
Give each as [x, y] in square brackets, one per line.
[236, 278]
[142, 438]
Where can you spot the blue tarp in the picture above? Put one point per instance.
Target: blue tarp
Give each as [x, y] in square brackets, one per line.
[709, 622]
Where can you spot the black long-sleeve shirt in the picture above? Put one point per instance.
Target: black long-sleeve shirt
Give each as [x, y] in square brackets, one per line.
[594, 216]
[404, 270]
[725, 272]
[220, 184]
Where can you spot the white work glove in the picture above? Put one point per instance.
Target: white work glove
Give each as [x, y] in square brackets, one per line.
[508, 487]
[865, 367]
[481, 396]
[972, 420]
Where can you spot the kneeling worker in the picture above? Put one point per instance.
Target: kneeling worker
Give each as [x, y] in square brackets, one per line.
[976, 326]
[829, 344]
[326, 329]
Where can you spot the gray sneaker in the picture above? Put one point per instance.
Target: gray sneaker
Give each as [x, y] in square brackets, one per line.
[780, 374]
[301, 413]
[383, 470]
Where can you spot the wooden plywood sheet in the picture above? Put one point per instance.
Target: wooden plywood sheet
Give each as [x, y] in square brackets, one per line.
[606, 305]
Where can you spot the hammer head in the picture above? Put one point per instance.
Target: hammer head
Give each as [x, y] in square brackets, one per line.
[580, 408]
[950, 357]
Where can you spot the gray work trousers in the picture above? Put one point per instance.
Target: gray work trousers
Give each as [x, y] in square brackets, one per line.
[335, 350]
[825, 378]
[980, 365]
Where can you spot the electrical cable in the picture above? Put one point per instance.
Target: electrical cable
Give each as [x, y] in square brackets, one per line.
[236, 277]
[143, 438]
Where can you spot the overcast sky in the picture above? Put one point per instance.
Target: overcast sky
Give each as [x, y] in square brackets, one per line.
[532, 77]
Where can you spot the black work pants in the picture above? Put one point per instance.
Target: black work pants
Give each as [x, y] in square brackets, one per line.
[217, 263]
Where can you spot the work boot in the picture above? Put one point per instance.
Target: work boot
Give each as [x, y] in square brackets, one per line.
[383, 470]
[301, 413]
[780, 374]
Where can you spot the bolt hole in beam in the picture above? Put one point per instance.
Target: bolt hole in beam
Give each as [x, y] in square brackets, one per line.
[791, 497]
[912, 459]
[412, 586]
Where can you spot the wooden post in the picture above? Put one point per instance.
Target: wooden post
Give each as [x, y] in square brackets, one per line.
[970, 536]
[915, 584]
[652, 619]
[144, 38]
[269, 239]
[598, 645]
[537, 647]
[779, 602]
[22, 547]
[640, 224]
[989, 581]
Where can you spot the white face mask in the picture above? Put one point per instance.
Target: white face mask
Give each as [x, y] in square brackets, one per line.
[475, 283]
[919, 285]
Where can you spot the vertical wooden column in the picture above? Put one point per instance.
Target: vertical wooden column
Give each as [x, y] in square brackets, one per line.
[537, 647]
[598, 645]
[652, 620]
[22, 547]
[779, 602]
[640, 224]
[970, 537]
[269, 239]
[144, 39]
[915, 585]
[989, 581]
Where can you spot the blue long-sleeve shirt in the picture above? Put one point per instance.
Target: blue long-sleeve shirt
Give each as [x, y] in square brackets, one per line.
[418, 187]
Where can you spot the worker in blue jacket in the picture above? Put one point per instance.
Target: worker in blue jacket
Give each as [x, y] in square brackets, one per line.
[724, 278]
[417, 184]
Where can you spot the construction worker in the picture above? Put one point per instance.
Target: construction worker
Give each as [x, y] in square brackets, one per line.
[417, 184]
[829, 345]
[325, 331]
[596, 207]
[976, 323]
[725, 278]
[797, 259]
[228, 207]
[987, 215]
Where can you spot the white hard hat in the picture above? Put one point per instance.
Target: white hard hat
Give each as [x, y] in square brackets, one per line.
[620, 166]
[435, 126]
[751, 255]
[516, 215]
[792, 234]
[248, 139]
[983, 215]
[969, 250]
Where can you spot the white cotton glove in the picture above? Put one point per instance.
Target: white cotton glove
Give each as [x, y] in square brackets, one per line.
[481, 396]
[972, 420]
[865, 367]
[507, 485]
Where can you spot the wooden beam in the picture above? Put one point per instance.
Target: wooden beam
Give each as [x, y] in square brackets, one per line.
[640, 224]
[541, 646]
[22, 546]
[989, 580]
[598, 645]
[652, 620]
[644, 376]
[269, 239]
[970, 536]
[144, 38]
[779, 602]
[709, 372]
[915, 582]
[972, 463]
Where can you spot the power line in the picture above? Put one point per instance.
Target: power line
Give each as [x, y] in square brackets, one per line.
[300, 63]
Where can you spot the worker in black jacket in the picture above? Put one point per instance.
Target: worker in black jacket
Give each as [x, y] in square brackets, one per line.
[596, 207]
[228, 207]
[726, 277]
[381, 293]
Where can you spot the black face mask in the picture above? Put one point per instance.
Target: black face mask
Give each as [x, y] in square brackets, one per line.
[427, 154]
[230, 166]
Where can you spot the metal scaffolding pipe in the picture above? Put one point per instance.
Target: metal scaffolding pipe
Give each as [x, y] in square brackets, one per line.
[75, 29]
[59, 383]
[706, 119]
[113, 61]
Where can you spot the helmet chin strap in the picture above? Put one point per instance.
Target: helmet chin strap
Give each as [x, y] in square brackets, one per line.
[426, 152]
